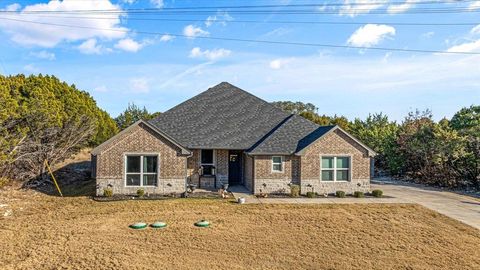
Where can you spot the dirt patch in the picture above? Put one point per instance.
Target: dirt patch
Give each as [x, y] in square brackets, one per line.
[46, 232]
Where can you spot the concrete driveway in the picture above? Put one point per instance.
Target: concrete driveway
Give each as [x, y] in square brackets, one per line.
[463, 208]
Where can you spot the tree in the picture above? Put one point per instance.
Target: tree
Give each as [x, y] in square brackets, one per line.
[296, 107]
[36, 113]
[381, 135]
[467, 123]
[430, 150]
[132, 114]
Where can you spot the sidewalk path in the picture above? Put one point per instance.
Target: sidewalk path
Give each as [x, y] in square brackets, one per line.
[463, 208]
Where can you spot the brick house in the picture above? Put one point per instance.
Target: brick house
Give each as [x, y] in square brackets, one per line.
[226, 135]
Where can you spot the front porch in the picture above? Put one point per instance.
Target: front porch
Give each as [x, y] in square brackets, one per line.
[212, 169]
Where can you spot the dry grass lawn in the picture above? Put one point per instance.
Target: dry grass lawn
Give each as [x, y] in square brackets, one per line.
[46, 232]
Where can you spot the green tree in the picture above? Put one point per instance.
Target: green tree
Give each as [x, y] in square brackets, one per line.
[37, 112]
[467, 123]
[381, 135]
[132, 114]
[296, 107]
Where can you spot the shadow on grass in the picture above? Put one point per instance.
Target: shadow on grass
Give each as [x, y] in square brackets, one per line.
[73, 179]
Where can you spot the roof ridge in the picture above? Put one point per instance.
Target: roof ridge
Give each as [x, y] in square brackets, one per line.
[268, 134]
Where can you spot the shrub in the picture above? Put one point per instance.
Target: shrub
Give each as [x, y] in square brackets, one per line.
[358, 194]
[311, 194]
[107, 192]
[140, 192]
[294, 190]
[377, 193]
[340, 194]
[4, 181]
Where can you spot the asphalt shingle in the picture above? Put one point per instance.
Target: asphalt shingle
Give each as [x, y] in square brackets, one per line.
[223, 117]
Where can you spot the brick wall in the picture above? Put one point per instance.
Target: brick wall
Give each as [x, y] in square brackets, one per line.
[110, 162]
[335, 143]
[248, 172]
[276, 182]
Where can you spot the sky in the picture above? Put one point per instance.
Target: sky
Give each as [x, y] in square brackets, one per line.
[159, 53]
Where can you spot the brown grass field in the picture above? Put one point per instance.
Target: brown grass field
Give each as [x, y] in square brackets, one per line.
[48, 232]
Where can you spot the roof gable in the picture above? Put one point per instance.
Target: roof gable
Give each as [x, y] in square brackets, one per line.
[223, 117]
[97, 150]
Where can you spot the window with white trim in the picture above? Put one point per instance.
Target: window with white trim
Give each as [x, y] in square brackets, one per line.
[335, 169]
[207, 161]
[141, 170]
[277, 164]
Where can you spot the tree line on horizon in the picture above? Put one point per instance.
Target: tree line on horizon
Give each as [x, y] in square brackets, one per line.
[444, 153]
[43, 118]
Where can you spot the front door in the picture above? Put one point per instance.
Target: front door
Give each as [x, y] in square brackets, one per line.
[234, 167]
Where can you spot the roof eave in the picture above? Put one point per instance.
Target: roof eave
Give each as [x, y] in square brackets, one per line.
[370, 151]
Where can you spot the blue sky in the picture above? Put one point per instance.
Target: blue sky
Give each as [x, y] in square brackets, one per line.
[107, 55]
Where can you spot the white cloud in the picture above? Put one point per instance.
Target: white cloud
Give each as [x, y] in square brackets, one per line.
[31, 68]
[209, 54]
[13, 7]
[428, 35]
[43, 55]
[370, 35]
[474, 5]
[475, 30]
[166, 38]
[279, 63]
[473, 46]
[192, 31]
[355, 7]
[157, 3]
[399, 8]
[90, 46]
[129, 1]
[222, 17]
[471, 42]
[139, 85]
[48, 36]
[101, 89]
[278, 32]
[129, 45]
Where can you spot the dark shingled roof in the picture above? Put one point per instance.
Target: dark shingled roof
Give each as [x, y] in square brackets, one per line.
[292, 136]
[223, 117]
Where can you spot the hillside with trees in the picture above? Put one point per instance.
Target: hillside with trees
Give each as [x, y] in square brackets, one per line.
[444, 153]
[43, 118]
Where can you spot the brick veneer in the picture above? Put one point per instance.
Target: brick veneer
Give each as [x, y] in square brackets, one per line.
[335, 143]
[267, 181]
[110, 162]
[305, 169]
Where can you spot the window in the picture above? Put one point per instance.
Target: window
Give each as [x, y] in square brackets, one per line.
[335, 169]
[141, 170]
[207, 162]
[277, 164]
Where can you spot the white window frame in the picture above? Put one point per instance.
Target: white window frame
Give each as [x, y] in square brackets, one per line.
[214, 159]
[335, 169]
[281, 164]
[141, 155]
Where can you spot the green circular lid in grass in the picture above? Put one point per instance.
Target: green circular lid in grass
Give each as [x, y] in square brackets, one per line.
[138, 225]
[159, 224]
[202, 223]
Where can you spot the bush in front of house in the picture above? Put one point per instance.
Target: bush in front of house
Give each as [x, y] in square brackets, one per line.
[294, 190]
[377, 193]
[311, 194]
[140, 192]
[107, 192]
[358, 194]
[340, 194]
